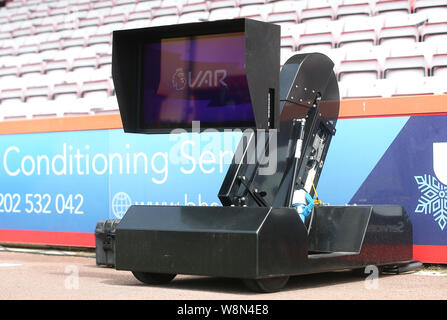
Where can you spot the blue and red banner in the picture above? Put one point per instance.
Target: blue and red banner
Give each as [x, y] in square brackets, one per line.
[59, 177]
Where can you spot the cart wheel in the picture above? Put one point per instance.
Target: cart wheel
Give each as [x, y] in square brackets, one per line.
[267, 284]
[154, 278]
[360, 272]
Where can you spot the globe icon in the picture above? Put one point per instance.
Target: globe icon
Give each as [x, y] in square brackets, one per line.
[120, 203]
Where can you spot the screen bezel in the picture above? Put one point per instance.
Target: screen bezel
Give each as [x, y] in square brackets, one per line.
[219, 126]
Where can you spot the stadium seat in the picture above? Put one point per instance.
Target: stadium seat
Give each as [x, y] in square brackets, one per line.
[405, 67]
[223, 13]
[193, 17]
[123, 7]
[147, 5]
[194, 7]
[138, 19]
[31, 68]
[37, 93]
[322, 13]
[49, 46]
[11, 96]
[398, 35]
[439, 65]
[316, 40]
[28, 49]
[288, 42]
[355, 38]
[21, 32]
[97, 88]
[164, 20]
[220, 4]
[289, 16]
[353, 10]
[81, 63]
[43, 28]
[429, 6]
[393, 7]
[101, 42]
[53, 66]
[66, 91]
[165, 11]
[255, 10]
[359, 70]
[434, 32]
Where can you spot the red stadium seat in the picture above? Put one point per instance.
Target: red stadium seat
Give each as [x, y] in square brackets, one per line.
[89, 22]
[37, 93]
[28, 49]
[360, 37]
[11, 96]
[323, 39]
[18, 17]
[405, 67]
[49, 45]
[99, 39]
[8, 71]
[224, 13]
[55, 65]
[243, 3]
[140, 15]
[195, 7]
[21, 32]
[147, 5]
[167, 11]
[30, 68]
[72, 42]
[288, 42]
[89, 62]
[115, 18]
[434, 32]
[325, 13]
[6, 51]
[66, 91]
[197, 16]
[439, 65]
[353, 10]
[398, 34]
[393, 7]
[90, 88]
[104, 60]
[359, 70]
[284, 16]
[164, 20]
[219, 4]
[43, 28]
[429, 5]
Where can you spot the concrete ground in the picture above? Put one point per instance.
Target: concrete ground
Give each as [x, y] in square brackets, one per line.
[29, 275]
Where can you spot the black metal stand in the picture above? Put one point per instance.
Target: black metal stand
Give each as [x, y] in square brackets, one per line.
[257, 235]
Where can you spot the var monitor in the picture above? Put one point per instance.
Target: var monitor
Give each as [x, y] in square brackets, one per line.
[224, 74]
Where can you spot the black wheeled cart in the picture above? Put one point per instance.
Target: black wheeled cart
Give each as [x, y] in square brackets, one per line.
[226, 74]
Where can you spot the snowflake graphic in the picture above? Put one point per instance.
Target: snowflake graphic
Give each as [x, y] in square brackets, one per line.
[433, 198]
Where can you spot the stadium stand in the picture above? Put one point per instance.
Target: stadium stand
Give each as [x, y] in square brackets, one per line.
[54, 51]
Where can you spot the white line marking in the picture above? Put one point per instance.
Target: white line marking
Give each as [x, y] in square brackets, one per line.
[431, 273]
[9, 264]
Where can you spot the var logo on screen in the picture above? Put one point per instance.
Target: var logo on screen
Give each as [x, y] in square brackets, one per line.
[433, 198]
[204, 78]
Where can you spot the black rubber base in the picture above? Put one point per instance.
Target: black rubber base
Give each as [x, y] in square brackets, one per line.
[266, 285]
[153, 278]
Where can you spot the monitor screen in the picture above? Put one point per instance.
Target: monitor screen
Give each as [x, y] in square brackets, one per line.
[198, 78]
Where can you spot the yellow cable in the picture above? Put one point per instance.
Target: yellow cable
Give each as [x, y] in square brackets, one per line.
[317, 202]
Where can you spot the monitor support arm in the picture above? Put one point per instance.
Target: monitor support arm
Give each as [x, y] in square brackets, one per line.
[309, 106]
